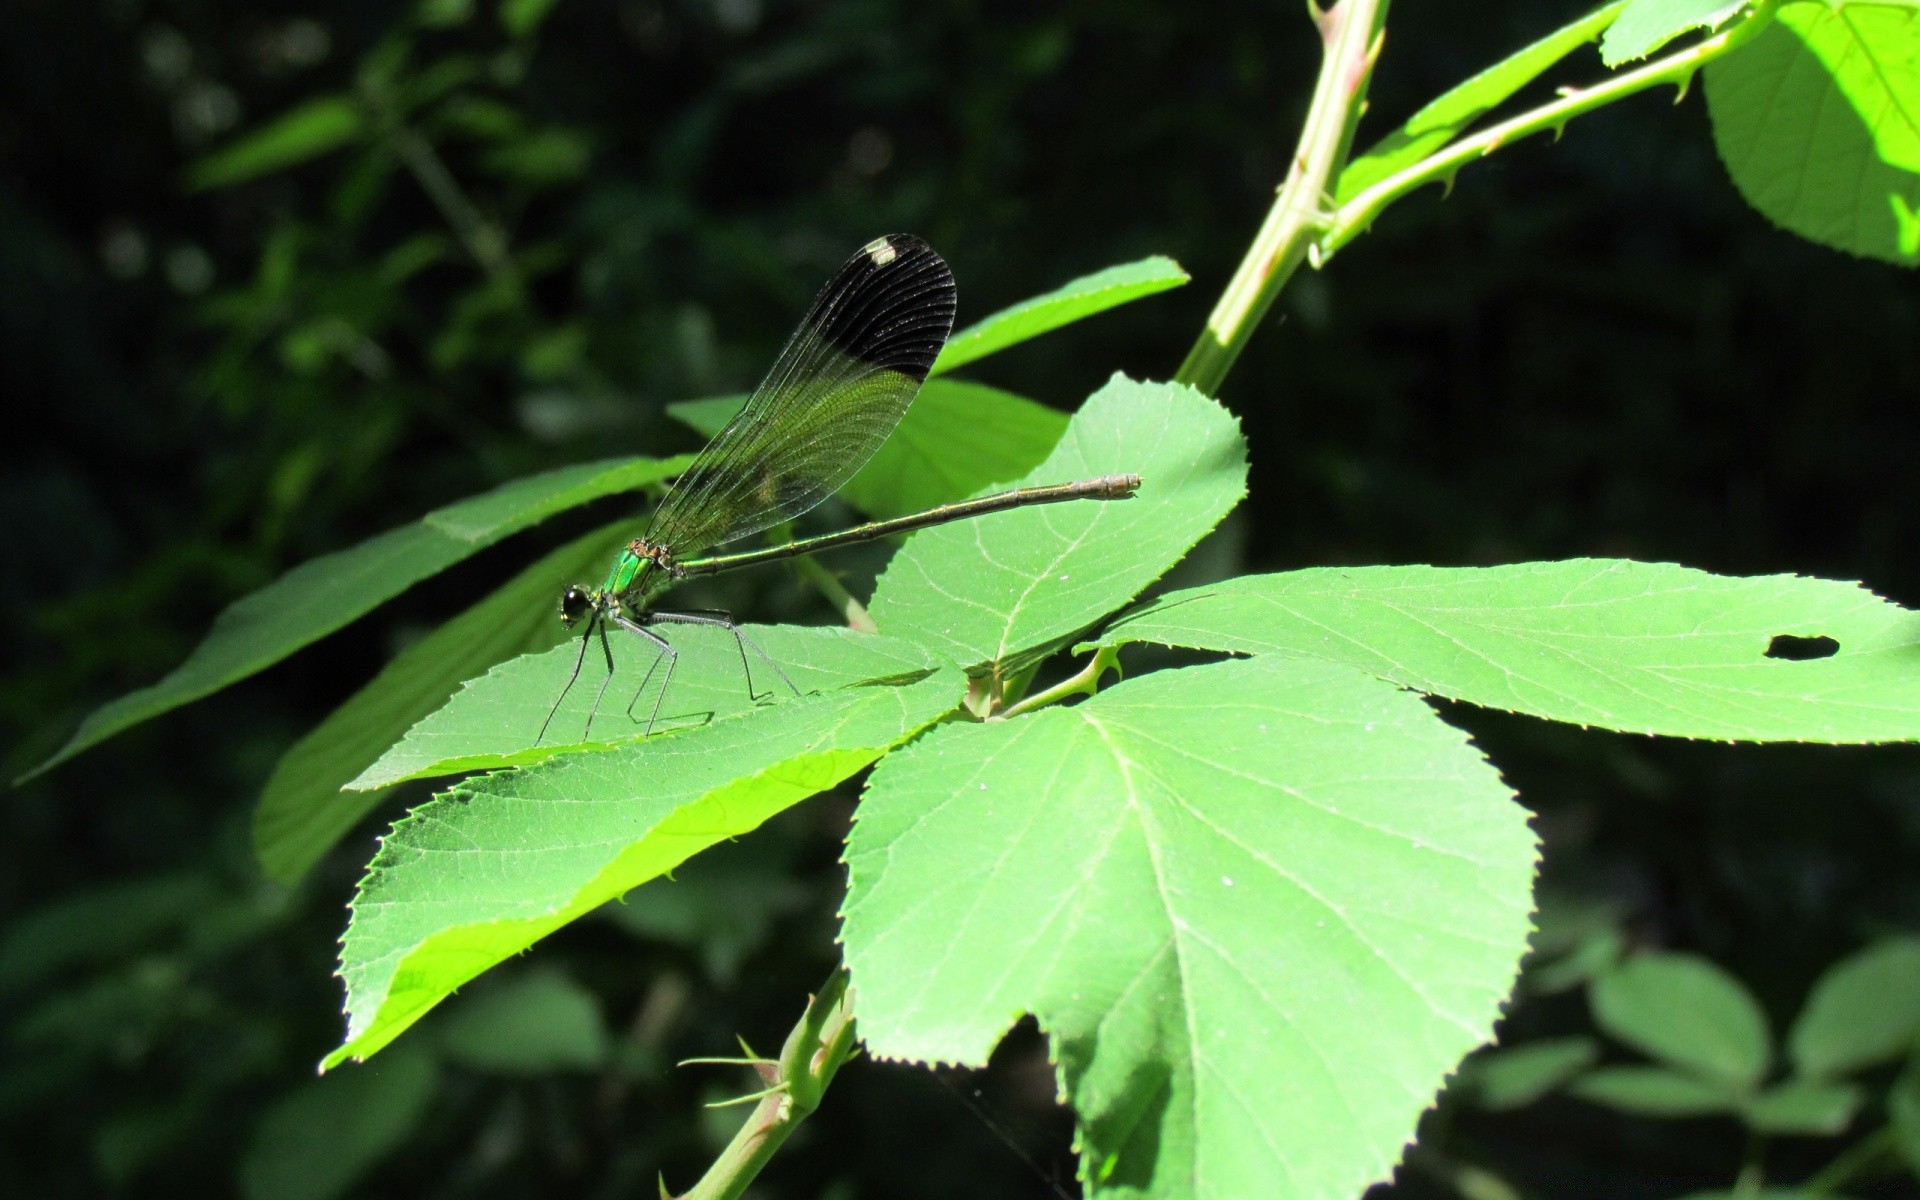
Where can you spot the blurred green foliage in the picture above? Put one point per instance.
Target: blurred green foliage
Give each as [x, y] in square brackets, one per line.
[275, 278]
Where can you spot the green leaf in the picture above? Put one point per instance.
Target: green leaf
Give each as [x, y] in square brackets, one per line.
[1903, 1115]
[1003, 587]
[1804, 1107]
[1655, 1092]
[495, 720]
[1689, 1013]
[99, 927]
[1818, 122]
[1646, 25]
[492, 866]
[319, 1140]
[303, 812]
[315, 128]
[1075, 301]
[956, 439]
[1456, 110]
[534, 1024]
[1638, 647]
[1766, 1193]
[1864, 1011]
[1261, 908]
[323, 594]
[523, 17]
[1506, 1078]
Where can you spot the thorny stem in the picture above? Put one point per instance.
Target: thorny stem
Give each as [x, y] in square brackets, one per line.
[1351, 33]
[1677, 69]
[820, 1043]
[1298, 228]
[1085, 682]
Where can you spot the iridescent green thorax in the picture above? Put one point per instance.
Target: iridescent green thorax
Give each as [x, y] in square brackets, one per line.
[639, 572]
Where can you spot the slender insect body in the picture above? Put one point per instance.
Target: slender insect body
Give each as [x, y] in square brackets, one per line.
[834, 394]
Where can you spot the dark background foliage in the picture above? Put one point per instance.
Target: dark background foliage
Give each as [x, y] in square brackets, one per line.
[1591, 348]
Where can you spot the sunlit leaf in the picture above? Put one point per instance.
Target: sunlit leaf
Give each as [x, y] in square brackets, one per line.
[492, 866]
[1260, 907]
[1639, 647]
[1074, 301]
[1818, 121]
[1064, 566]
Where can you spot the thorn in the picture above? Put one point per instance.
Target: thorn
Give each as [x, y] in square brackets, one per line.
[1680, 92]
[779, 1089]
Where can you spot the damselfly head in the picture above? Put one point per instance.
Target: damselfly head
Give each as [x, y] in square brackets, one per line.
[575, 603]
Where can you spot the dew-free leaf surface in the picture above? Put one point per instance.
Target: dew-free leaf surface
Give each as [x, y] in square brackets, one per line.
[1656, 1092]
[1452, 113]
[1261, 907]
[1646, 25]
[494, 721]
[324, 594]
[319, 1140]
[1073, 301]
[996, 588]
[1818, 122]
[1690, 1013]
[488, 868]
[303, 812]
[1639, 647]
[317, 127]
[1863, 1012]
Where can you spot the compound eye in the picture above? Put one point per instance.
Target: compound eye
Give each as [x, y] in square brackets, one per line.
[574, 603]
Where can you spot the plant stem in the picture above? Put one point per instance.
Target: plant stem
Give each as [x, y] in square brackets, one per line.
[1677, 68]
[837, 594]
[820, 1043]
[1085, 682]
[1852, 1162]
[1350, 34]
[484, 240]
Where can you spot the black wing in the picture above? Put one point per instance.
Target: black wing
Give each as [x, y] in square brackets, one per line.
[833, 396]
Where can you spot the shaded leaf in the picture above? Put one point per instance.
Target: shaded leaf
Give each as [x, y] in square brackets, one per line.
[1805, 1107]
[324, 594]
[319, 1140]
[1864, 1011]
[1510, 1077]
[1686, 1011]
[1656, 1092]
[533, 1024]
[320, 125]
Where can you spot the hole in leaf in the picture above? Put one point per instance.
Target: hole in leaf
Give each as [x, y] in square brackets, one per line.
[1794, 648]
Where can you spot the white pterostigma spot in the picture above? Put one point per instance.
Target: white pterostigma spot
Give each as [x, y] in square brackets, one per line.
[881, 251]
